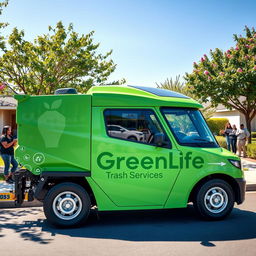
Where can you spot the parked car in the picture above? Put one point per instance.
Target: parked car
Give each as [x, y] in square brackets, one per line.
[123, 133]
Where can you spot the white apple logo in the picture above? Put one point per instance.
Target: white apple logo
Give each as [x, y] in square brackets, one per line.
[51, 124]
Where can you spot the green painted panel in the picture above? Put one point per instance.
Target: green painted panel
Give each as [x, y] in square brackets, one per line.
[54, 132]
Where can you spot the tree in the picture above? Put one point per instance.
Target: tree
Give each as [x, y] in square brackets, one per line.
[178, 86]
[58, 59]
[229, 78]
[2, 24]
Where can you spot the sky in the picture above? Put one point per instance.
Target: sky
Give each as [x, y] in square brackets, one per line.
[151, 40]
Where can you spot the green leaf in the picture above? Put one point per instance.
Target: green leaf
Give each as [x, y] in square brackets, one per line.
[46, 105]
[56, 104]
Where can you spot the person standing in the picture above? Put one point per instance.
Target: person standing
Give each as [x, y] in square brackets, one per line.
[233, 139]
[228, 130]
[242, 135]
[7, 153]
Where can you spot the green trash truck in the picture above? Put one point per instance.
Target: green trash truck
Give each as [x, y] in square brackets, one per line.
[121, 148]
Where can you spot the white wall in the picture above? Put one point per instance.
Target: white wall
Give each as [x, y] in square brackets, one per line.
[232, 116]
[235, 117]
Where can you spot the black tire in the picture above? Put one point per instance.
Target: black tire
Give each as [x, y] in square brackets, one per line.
[132, 138]
[60, 199]
[209, 197]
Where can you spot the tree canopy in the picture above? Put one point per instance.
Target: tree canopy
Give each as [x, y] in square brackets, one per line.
[2, 24]
[60, 58]
[229, 77]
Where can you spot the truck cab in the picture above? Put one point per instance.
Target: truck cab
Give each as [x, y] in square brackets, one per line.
[122, 148]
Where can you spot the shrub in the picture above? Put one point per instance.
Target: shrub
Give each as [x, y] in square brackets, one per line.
[251, 150]
[222, 141]
[217, 124]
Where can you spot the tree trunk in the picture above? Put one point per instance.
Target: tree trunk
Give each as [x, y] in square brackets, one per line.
[248, 126]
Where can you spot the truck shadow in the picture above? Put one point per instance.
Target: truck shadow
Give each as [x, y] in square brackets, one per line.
[139, 226]
[164, 225]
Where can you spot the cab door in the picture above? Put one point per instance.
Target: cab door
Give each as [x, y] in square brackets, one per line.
[132, 173]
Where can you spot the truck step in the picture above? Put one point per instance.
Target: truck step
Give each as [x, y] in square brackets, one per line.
[7, 192]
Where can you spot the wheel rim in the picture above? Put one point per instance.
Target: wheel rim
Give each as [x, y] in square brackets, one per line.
[67, 205]
[216, 200]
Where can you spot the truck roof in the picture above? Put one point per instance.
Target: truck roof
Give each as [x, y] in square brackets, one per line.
[130, 95]
[140, 96]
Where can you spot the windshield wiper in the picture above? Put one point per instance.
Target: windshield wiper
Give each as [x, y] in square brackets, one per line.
[200, 139]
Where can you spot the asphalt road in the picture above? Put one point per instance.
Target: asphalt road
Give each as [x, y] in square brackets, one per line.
[24, 231]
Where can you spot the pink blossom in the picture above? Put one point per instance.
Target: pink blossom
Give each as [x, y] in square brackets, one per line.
[194, 64]
[205, 55]
[254, 35]
[209, 78]
[202, 59]
[237, 48]
[239, 70]
[254, 67]
[246, 57]
[214, 65]
[2, 86]
[221, 73]
[247, 46]
[206, 72]
[228, 51]
[229, 56]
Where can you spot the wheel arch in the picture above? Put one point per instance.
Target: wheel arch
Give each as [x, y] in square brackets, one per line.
[47, 181]
[230, 180]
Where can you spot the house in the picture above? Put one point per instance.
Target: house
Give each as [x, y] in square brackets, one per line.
[8, 112]
[234, 116]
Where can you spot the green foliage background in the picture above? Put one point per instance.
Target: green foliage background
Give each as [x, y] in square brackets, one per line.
[217, 124]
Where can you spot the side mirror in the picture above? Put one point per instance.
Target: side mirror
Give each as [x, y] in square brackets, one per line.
[159, 139]
[122, 130]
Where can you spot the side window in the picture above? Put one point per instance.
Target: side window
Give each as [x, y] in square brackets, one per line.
[134, 125]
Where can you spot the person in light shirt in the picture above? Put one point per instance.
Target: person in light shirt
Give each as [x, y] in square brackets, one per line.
[242, 136]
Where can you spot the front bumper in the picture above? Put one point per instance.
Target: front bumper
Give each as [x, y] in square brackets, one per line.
[241, 192]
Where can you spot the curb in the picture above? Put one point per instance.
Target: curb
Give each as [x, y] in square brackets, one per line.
[250, 187]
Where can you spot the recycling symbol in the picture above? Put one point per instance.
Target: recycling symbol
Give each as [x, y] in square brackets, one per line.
[38, 158]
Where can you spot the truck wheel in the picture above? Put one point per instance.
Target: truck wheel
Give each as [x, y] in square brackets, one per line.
[214, 200]
[67, 204]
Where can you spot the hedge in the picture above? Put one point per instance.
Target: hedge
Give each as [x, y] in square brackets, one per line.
[222, 141]
[217, 124]
[251, 150]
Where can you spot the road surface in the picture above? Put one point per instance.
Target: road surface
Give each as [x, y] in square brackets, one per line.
[24, 231]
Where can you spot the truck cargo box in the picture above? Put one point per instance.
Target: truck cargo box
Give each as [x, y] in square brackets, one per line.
[54, 132]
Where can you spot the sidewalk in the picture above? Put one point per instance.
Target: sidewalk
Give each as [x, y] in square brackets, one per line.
[249, 168]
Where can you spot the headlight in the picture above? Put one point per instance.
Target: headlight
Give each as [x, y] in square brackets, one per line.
[236, 163]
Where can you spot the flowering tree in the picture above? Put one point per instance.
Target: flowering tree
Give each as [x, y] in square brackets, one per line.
[229, 78]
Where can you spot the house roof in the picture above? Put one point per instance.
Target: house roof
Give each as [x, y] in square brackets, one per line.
[222, 108]
[7, 102]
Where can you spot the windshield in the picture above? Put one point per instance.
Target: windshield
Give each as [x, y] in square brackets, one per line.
[189, 127]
